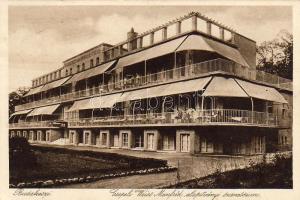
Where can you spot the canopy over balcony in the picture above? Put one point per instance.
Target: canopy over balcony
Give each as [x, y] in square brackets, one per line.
[232, 87]
[224, 87]
[90, 72]
[167, 89]
[22, 112]
[34, 90]
[106, 101]
[197, 42]
[47, 110]
[261, 92]
[153, 52]
[54, 84]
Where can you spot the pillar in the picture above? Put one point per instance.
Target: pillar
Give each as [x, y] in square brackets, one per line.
[120, 49]
[194, 23]
[178, 27]
[208, 28]
[221, 33]
[140, 42]
[151, 38]
[164, 33]
[76, 137]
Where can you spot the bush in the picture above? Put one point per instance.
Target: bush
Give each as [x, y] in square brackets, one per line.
[20, 154]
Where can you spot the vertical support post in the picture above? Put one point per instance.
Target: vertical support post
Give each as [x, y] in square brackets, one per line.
[164, 33]
[194, 23]
[178, 27]
[221, 33]
[151, 38]
[208, 28]
[252, 110]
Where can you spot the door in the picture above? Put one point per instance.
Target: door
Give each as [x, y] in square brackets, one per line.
[104, 139]
[139, 141]
[185, 142]
[116, 140]
[168, 142]
[206, 146]
[150, 140]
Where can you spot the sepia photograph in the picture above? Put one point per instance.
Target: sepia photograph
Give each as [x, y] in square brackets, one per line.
[150, 97]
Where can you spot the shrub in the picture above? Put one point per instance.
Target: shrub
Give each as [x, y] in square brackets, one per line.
[20, 154]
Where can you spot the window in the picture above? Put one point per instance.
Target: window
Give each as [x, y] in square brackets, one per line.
[283, 113]
[70, 70]
[125, 139]
[59, 73]
[97, 61]
[55, 75]
[83, 66]
[91, 63]
[78, 68]
[67, 72]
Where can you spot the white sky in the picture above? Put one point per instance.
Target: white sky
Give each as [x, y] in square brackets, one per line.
[41, 37]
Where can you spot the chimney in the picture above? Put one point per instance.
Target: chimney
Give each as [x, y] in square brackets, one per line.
[132, 40]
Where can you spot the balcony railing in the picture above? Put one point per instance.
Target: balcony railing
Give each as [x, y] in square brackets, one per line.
[31, 124]
[205, 117]
[186, 72]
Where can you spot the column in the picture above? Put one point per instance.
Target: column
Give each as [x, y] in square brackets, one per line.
[164, 33]
[130, 139]
[120, 48]
[194, 23]
[151, 38]
[140, 42]
[178, 27]
[208, 28]
[221, 33]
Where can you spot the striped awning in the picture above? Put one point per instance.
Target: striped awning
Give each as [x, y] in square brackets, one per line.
[90, 72]
[105, 101]
[47, 110]
[261, 92]
[167, 89]
[197, 42]
[224, 87]
[34, 90]
[152, 52]
[55, 84]
[22, 112]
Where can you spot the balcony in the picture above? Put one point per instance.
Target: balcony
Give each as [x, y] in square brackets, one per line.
[197, 118]
[177, 74]
[37, 124]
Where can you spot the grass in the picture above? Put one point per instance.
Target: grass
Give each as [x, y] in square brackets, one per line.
[64, 163]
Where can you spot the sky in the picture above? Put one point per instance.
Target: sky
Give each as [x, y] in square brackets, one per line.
[42, 37]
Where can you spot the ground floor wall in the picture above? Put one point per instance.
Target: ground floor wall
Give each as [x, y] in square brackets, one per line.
[200, 140]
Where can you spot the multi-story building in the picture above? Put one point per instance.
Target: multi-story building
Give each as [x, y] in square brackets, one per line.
[190, 85]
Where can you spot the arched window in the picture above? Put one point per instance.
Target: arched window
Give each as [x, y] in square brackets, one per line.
[83, 66]
[67, 72]
[91, 63]
[97, 61]
[78, 68]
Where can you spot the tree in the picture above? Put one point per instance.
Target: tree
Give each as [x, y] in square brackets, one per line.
[15, 98]
[276, 56]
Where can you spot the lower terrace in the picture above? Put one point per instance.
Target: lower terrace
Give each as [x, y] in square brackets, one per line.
[182, 73]
[191, 117]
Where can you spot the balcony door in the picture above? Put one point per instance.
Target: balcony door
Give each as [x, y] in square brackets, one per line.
[116, 140]
[168, 142]
[139, 141]
[150, 140]
[185, 142]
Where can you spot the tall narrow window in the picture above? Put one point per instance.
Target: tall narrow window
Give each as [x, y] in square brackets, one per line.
[97, 61]
[78, 68]
[70, 70]
[83, 66]
[91, 63]
[125, 139]
[67, 72]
